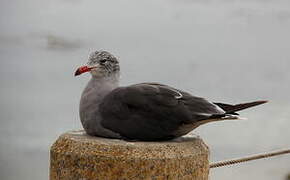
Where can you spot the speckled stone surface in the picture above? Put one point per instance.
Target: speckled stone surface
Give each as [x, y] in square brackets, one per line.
[77, 156]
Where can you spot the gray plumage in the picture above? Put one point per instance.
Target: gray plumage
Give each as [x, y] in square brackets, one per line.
[146, 111]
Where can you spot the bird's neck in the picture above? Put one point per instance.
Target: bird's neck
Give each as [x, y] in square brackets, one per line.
[101, 86]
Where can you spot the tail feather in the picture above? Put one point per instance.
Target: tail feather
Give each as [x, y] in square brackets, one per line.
[232, 109]
[230, 112]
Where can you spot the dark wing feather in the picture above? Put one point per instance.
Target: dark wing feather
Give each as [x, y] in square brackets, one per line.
[151, 111]
[232, 109]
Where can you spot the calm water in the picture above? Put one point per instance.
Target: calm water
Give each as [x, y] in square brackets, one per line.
[230, 51]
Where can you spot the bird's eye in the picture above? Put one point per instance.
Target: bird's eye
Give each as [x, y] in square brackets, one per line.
[102, 61]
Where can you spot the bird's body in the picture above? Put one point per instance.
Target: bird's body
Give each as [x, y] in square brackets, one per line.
[146, 111]
[159, 110]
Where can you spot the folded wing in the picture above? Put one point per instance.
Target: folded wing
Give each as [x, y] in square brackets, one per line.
[151, 111]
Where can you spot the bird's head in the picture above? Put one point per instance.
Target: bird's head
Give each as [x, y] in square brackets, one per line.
[101, 64]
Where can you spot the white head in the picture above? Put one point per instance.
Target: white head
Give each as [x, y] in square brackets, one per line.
[101, 64]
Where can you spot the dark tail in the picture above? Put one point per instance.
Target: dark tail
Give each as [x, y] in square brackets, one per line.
[232, 109]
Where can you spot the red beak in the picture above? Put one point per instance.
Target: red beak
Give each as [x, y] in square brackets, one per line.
[82, 70]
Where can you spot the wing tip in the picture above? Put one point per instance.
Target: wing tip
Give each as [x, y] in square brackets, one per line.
[262, 101]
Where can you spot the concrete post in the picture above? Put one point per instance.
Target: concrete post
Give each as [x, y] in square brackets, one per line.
[77, 156]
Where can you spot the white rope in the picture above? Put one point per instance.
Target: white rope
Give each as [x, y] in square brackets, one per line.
[249, 158]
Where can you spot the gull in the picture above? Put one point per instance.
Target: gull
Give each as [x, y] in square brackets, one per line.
[144, 111]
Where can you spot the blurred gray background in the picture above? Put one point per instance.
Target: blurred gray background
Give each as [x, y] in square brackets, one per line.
[226, 50]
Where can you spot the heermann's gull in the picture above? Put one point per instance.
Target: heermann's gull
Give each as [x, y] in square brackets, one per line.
[146, 111]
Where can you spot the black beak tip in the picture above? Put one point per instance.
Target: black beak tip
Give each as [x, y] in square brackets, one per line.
[77, 73]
